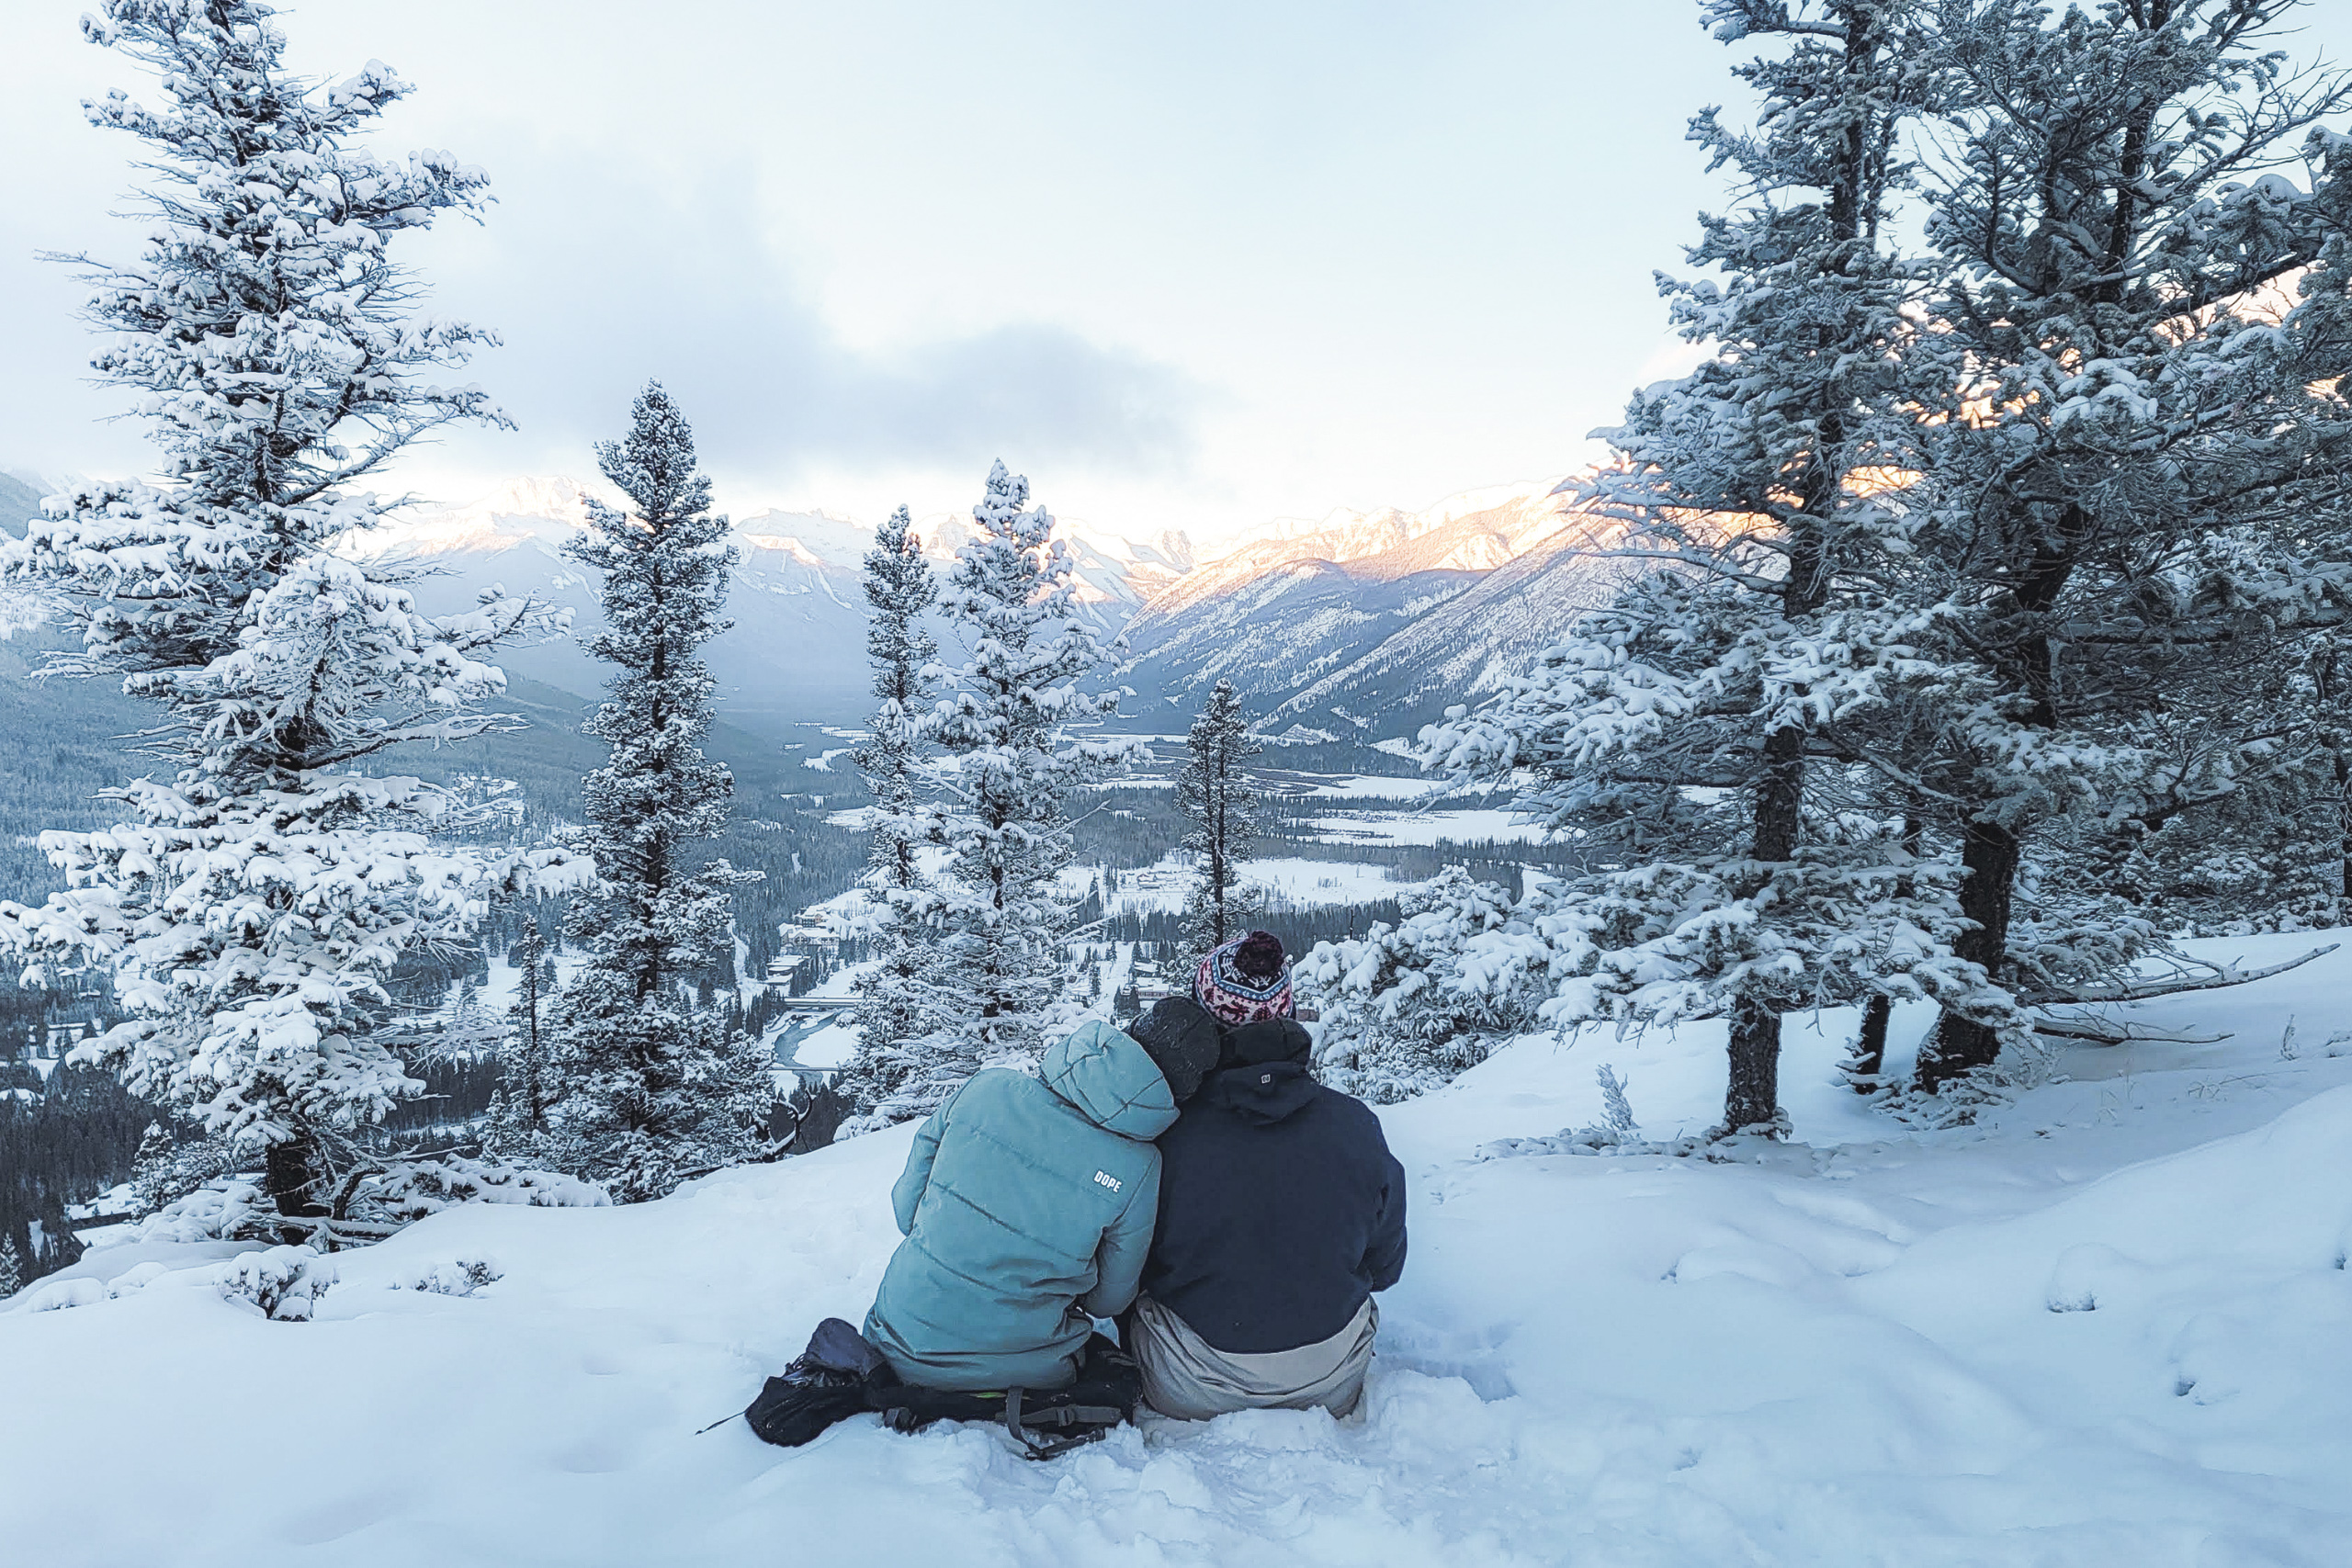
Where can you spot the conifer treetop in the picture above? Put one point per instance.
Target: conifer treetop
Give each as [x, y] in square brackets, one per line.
[990, 977]
[899, 588]
[265, 323]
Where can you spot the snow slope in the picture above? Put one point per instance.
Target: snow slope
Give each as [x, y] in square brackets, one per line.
[2108, 1325]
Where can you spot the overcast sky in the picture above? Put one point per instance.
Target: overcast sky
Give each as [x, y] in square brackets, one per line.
[1186, 265]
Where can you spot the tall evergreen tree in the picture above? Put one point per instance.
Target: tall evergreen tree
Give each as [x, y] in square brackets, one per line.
[892, 1022]
[1746, 869]
[12, 1268]
[252, 910]
[1981, 579]
[2130, 514]
[1215, 795]
[519, 1121]
[997, 968]
[654, 1085]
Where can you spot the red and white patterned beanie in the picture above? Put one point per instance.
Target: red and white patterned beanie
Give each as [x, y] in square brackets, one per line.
[1245, 981]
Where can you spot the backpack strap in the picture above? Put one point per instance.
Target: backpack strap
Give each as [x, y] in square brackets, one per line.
[909, 1407]
[1093, 1422]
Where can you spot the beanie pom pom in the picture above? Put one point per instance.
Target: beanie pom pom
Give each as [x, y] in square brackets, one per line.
[1260, 955]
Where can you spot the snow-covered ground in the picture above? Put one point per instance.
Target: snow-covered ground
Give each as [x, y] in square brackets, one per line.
[502, 987]
[1359, 786]
[1300, 883]
[1302, 786]
[1310, 881]
[2110, 1323]
[1464, 827]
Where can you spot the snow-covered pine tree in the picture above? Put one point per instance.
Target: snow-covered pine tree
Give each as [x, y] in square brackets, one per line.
[253, 908]
[1410, 1007]
[2331, 801]
[519, 1115]
[165, 1170]
[1744, 867]
[998, 968]
[2267, 856]
[1216, 796]
[12, 1268]
[149, 1169]
[654, 1086]
[2322, 323]
[2129, 507]
[891, 1019]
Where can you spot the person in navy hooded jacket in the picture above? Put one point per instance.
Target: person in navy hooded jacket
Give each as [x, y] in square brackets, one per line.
[1281, 1213]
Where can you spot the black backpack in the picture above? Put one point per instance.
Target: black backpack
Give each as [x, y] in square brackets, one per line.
[839, 1375]
[827, 1383]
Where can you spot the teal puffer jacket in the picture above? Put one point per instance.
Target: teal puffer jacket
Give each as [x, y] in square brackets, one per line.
[1027, 1205]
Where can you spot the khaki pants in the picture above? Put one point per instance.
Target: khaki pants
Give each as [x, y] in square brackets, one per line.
[1185, 1376]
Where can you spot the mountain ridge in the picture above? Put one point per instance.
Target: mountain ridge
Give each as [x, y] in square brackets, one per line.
[1463, 596]
[1351, 627]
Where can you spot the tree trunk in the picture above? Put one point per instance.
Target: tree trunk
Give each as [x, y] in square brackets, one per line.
[1751, 1093]
[1869, 1060]
[1989, 852]
[1752, 1097]
[290, 1175]
[1988, 860]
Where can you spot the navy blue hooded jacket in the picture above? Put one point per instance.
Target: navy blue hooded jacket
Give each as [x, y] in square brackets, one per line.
[1281, 1209]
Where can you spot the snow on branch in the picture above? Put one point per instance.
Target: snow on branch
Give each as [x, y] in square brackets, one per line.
[2114, 1032]
[2184, 975]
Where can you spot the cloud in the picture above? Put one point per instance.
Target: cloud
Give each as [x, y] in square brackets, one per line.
[598, 275]
[598, 279]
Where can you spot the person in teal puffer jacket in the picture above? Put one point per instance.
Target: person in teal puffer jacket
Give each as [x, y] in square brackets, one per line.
[1027, 1205]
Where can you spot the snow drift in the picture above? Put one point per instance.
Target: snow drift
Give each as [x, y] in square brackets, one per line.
[2110, 1324]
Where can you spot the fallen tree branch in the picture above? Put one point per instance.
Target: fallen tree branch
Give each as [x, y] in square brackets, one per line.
[2103, 1031]
[2195, 974]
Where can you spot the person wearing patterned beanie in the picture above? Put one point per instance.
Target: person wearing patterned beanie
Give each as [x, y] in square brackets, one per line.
[1281, 1213]
[1246, 981]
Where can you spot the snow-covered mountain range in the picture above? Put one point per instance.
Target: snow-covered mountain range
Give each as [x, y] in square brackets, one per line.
[796, 653]
[1369, 624]
[1361, 625]
[797, 648]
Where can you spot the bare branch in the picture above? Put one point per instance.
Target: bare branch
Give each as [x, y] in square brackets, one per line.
[2111, 1032]
[2189, 975]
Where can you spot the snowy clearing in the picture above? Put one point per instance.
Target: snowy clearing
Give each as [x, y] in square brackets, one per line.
[1353, 787]
[1162, 888]
[1427, 828]
[1306, 883]
[2110, 1323]
[828, 1046]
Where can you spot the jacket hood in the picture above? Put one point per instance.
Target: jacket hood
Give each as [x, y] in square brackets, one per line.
[1263, 1092]
[1111, 1081]
[1269, 1039]
[1182, 1038]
